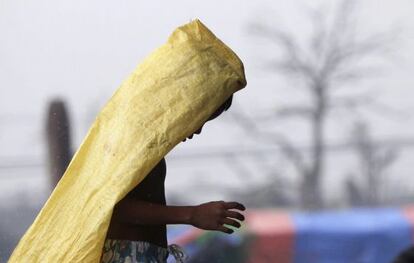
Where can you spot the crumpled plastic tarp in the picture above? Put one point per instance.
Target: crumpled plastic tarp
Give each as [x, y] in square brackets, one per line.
[168, 97]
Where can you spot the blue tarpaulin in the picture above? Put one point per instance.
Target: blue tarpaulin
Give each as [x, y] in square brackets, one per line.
[356, 236]
[375, 235]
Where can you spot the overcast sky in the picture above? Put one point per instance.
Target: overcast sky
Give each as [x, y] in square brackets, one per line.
[82, 50]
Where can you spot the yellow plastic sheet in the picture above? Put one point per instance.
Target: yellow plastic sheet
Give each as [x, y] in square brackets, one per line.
[168, 97]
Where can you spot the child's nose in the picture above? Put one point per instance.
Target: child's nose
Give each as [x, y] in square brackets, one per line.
[199, 130]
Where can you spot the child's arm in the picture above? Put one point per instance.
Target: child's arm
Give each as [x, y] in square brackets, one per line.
[208, 216]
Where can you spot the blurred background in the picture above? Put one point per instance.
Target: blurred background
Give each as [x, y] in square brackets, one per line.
[319, 146]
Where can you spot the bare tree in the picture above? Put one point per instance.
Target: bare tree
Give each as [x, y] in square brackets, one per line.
[374, 160]
[329, 60]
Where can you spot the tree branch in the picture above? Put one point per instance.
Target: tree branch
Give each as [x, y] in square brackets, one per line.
[286, 147]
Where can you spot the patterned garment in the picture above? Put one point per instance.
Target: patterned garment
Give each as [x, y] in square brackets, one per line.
[126, 251]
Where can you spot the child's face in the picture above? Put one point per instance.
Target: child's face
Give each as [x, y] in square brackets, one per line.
[212, 117]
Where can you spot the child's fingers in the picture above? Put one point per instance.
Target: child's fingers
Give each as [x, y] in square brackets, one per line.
[234, 214]
[234, 205]
[230, 222]
[225, 229]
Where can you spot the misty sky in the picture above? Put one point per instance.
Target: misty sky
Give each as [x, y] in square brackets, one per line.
[82, 50]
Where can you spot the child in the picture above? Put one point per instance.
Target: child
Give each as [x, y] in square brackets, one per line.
[170, 95]
[138, 225]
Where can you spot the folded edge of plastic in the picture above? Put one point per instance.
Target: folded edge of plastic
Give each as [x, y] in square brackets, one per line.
[166, 98]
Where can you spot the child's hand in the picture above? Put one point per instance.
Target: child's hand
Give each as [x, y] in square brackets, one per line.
[213, 216]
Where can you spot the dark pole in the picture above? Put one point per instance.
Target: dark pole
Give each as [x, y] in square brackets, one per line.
[58, 140]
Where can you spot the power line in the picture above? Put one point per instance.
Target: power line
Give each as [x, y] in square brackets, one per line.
[219, 152]
[21, 165]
